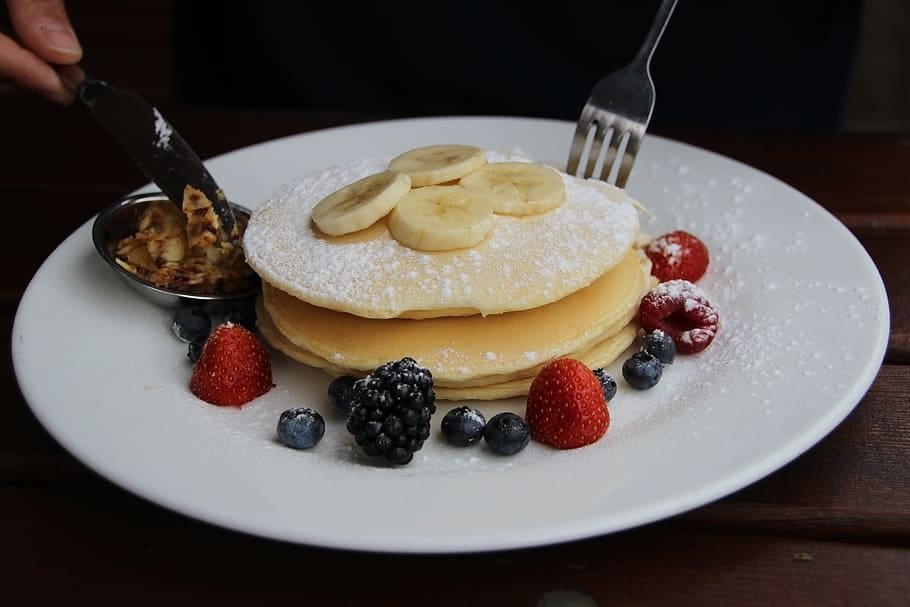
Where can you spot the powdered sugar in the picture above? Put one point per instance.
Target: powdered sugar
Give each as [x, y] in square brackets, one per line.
[163, 131]
[526, 262]
[671, 251]
[690, 293]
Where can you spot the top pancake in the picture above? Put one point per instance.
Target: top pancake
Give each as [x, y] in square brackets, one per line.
[525, 263]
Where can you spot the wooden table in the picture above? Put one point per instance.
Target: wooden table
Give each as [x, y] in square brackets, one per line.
[833, 527]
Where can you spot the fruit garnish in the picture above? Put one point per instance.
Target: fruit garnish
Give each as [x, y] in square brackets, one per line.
[233, 367]
[566, 406]
[392, 410]
[506, 433]
[607, 384]
[677, 255]
[681, 310]
[361, 204]
[194, 349]
[660, 345]
[517, 188]
[642, 370]
[340, 395]
[300, 428]
[436, 164]
[441, 218]
[463, 426]
[191, 323]
[241, 312]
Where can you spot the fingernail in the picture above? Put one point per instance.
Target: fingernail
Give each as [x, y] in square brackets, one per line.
[61, 38]
[71, 76]
[62, 96]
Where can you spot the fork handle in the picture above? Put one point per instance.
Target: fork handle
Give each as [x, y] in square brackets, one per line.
[657, 29]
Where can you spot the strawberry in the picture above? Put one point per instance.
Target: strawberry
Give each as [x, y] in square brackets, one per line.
[682, 311]
[566, 406]
[677, 255]
[233, 368]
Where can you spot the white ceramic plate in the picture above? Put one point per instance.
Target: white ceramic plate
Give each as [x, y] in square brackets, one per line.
[804, 325]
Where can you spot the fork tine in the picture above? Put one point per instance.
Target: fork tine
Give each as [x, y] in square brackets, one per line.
[628, 158]
[578, 145]
[600, 134]
[621, 102]
[610, 157]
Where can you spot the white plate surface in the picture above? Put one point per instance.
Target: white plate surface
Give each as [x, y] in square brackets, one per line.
[804, 326]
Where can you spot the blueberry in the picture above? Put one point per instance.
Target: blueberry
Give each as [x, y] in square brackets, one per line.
[300, 428]
[242, 312]
[642, 370]
[607, 383]
[195, 348]
[190, 323]
[507, 433]
[340, 396]
[463, 426]
[660, 345]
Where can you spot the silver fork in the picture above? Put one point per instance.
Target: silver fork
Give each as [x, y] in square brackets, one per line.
[619, 108]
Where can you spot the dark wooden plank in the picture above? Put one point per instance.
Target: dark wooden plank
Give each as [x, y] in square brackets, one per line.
[95, 549]
[863, 174]
[833, 527]
[858, 469]
[20, 432]
[53, 216]
[889, 248]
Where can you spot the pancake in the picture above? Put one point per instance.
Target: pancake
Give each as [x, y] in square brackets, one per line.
[525, 263]
[600, 355]
[464, 349]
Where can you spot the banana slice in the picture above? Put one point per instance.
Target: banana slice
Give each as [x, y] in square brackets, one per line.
[361, 204]
[517, 188]
[441, 218]
[437, 164]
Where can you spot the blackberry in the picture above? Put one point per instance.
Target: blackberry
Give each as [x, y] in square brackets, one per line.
[642, 371]
[607, 383]
[463, 426]
[660, 345]
[391, 410]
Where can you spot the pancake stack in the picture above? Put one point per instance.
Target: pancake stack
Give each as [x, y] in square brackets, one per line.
[481, 266]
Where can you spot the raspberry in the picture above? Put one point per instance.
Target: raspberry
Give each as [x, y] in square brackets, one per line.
[682, 311]
[677, 256]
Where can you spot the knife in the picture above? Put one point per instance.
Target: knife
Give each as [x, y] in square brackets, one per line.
[155, 146]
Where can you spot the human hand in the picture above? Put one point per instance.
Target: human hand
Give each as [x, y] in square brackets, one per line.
[43, 55]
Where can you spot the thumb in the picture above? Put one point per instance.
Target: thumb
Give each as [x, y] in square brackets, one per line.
[44, 28]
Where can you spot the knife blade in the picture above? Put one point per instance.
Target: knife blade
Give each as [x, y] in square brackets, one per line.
[154, 145]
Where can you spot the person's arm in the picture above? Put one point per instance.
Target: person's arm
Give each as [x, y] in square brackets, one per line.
[44, 57]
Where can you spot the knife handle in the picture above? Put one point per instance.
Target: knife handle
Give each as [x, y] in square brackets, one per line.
[91, 90]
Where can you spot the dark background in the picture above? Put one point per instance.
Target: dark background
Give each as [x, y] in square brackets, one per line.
[805, 64]
[769, 63]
